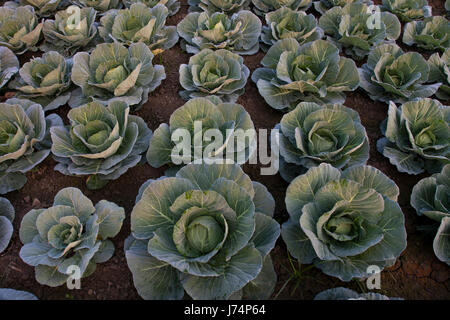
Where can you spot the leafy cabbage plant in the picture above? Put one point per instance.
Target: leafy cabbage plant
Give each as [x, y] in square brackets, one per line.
[349, 29]
[45, 80]
[417, 136]
[172, 5]
[344, 221]
[7, 215]
[312, 134]
[112, 72]
[341, 293]
[139, 23]
[99, 5]
[11, 294]
[408, 10]
[440, 73]
[208, 231]
[286, 23]
[20, 29]
[220, 73]
[24, 140]
[73, 232]
[322, 6]
[393, 75]
[431, 34]
[228, 118]
[314, 71]
[100, 142]
[43, 8]
[9, 65]
[238, 33]
[431, 197]
[63, 35]
[264, 6]
[226, 6]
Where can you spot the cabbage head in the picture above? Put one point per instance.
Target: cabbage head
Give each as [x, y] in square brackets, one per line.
[72, 232]
[45, 80]
[11, 294]
[226, 6]
[344, 221]
[100, 142]
[9, 65]
[229, 118]
[238, 33]
[408, 10]
[7, 215]
[322, 6]
[99, 5]
[43, 8]
[393, 75]
[24, 140]
[417, 136]
[20, 29]
[314, 71]
[341, 293]
[348, 29]
[440, 72]
[139, 23]
[312, 134]
[430, 34]
[207, 232]
[264, 6]
[431, 197]
[67, 38]
[286, 23]
[172, 5]
[220, 73]
[113, 72]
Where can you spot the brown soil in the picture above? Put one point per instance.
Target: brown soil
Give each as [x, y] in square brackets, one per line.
[418, 274]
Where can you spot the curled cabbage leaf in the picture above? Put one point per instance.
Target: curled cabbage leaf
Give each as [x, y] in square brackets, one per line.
[7, 215]
[431, 34]
[312, 134]
[9, 65]
[220, 73]
[208, 232]
[341, 293]
[408, 10]
[226, 6]
[417, 136]
[172, 5]
[264, 6]
[314, 71]
[238, 33]
[99, 5]
[43, 8]
[11, 294]
[344, 221]
[393, 75]
[71, 233]
[322, 6]
[440, 72]
[24, 140]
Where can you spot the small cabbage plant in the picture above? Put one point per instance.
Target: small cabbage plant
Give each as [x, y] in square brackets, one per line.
[66, 37]
[312, 134]
[238, 33]
[43, 8]
[99, 5]
[408, 10]
[341, 293]
[220, 73]
[431, 197]
[417, 136]
[73, 232]
[348, 28]
[228, 118]
[9, 65]
[172, 5]
[139, 23]
[7, 215]
[24, 140]
[344, 221]
[11, 294]
[393, 75]
[226, 6]
[45, 80]
[314, 71]
[440, 73]
[264, 6]
[20, 29]
[100, 142]
[286, 23]
[207, 232]
[112, 72]
[322, 6]
[430, 34]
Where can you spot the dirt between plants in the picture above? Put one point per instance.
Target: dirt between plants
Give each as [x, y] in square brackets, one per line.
[418, 274]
